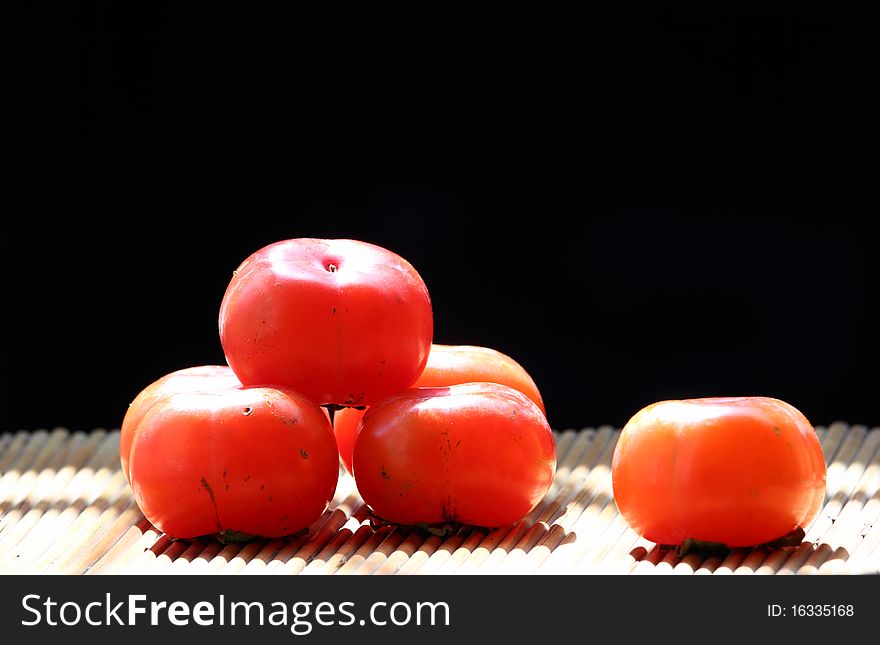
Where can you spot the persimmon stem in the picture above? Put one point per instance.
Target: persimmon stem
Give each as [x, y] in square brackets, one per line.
[689, 546]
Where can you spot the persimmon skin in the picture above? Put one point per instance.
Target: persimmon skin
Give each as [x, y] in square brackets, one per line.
[740, 471]
[456, 364]
[344, 322]
[477, 453]
[258, 461]
[201, 378]
[448, 365]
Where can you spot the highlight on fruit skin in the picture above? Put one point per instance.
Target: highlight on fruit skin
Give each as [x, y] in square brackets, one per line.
[732, 471]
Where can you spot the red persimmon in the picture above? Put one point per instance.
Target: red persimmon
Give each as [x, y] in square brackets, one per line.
[202, 378]
[235, 462]
[343, 322]
[477, 453]
[738, 471]
[448, 365]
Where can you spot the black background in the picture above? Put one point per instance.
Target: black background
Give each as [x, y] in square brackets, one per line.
[634, 203]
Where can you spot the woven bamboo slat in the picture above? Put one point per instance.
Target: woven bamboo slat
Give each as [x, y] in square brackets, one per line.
[65, 508]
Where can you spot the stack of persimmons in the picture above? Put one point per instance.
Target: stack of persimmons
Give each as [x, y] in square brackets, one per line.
[330, 353]
[435, 435]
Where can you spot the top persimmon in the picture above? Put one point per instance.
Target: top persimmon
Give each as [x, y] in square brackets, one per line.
[343, 322]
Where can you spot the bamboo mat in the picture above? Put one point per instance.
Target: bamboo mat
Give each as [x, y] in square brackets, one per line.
[65, 508]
